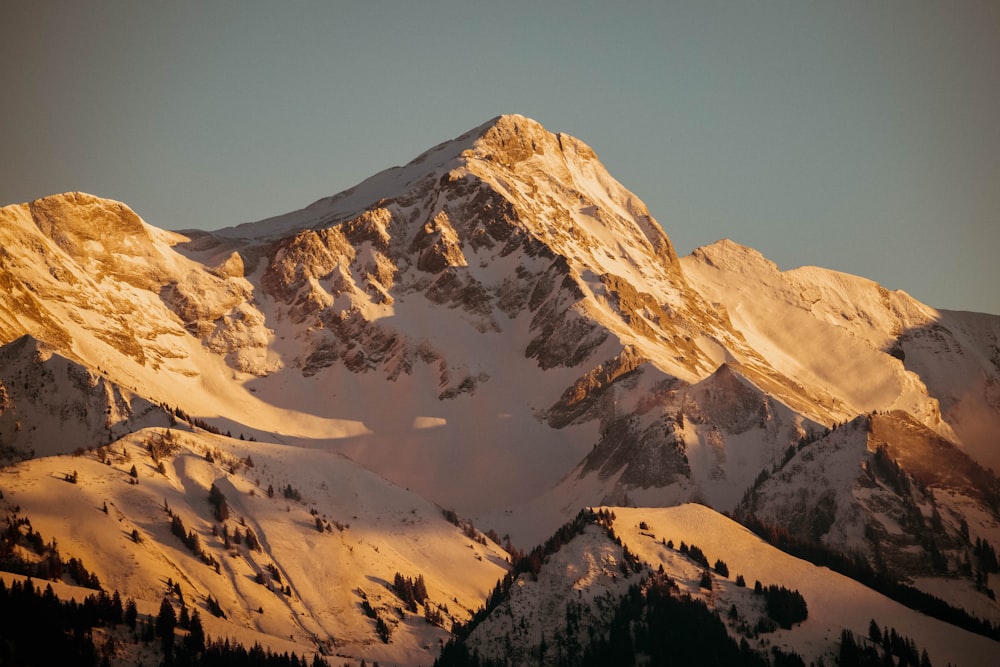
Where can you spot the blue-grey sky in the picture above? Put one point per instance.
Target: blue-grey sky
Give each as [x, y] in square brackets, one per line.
[858, 136]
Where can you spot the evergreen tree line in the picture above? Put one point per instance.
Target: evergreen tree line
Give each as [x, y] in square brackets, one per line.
[273, 578]
[37, 628]
[698, 556]
[192, 542]
[986, 556]
[880, 648]
[224, 654]
[785, 606]
[652, 624]
[887, 469]
[381, 627]
[19, 533]
[531, 563]
[694, 553]
[986, 564]
[860, 570]
[194, 421]
[410, 591]
[656, 623]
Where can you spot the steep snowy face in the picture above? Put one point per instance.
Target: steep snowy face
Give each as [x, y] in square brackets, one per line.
[957, 356]
[509, 222]
[505, 268]
[566, 198]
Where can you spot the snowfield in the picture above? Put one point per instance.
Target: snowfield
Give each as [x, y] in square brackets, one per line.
[372, 530]
[835, 602]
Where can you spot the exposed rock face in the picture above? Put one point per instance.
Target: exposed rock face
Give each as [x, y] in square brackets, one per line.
[508, 192]
[99, 258]
[111, 237]
[580, 400]
[51, 405]
[437, 245]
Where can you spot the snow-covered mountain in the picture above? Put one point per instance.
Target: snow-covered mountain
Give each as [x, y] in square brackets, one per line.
[504, 330]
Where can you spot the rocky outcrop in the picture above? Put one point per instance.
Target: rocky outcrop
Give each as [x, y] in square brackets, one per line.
[437, 245]
[580, 400]
[51, 405]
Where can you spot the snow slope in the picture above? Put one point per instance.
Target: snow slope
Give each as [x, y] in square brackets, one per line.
[556, 612]
[834, 602]
[372, 530]
[867, 348]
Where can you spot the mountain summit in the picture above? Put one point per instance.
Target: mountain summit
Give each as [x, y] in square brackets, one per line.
[502, 328]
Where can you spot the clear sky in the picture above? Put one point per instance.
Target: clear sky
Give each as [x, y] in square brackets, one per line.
[858, 136]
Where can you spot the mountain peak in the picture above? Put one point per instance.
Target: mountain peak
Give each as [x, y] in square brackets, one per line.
[498, 327]
[510, 143]
[512, 138]
[728, 254]
[76, 221]
[508, 123]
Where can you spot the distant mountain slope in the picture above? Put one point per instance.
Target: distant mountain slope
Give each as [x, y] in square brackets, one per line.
[573, 600]
[323, 589]
[867, 348]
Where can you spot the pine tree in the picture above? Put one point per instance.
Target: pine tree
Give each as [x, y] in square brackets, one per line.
[420, 589]
[252, 542]
[131, 614]
[874, 633]
[166, 621]
[382, 630]
[218, 501]
[196, 636]
[117, 609]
